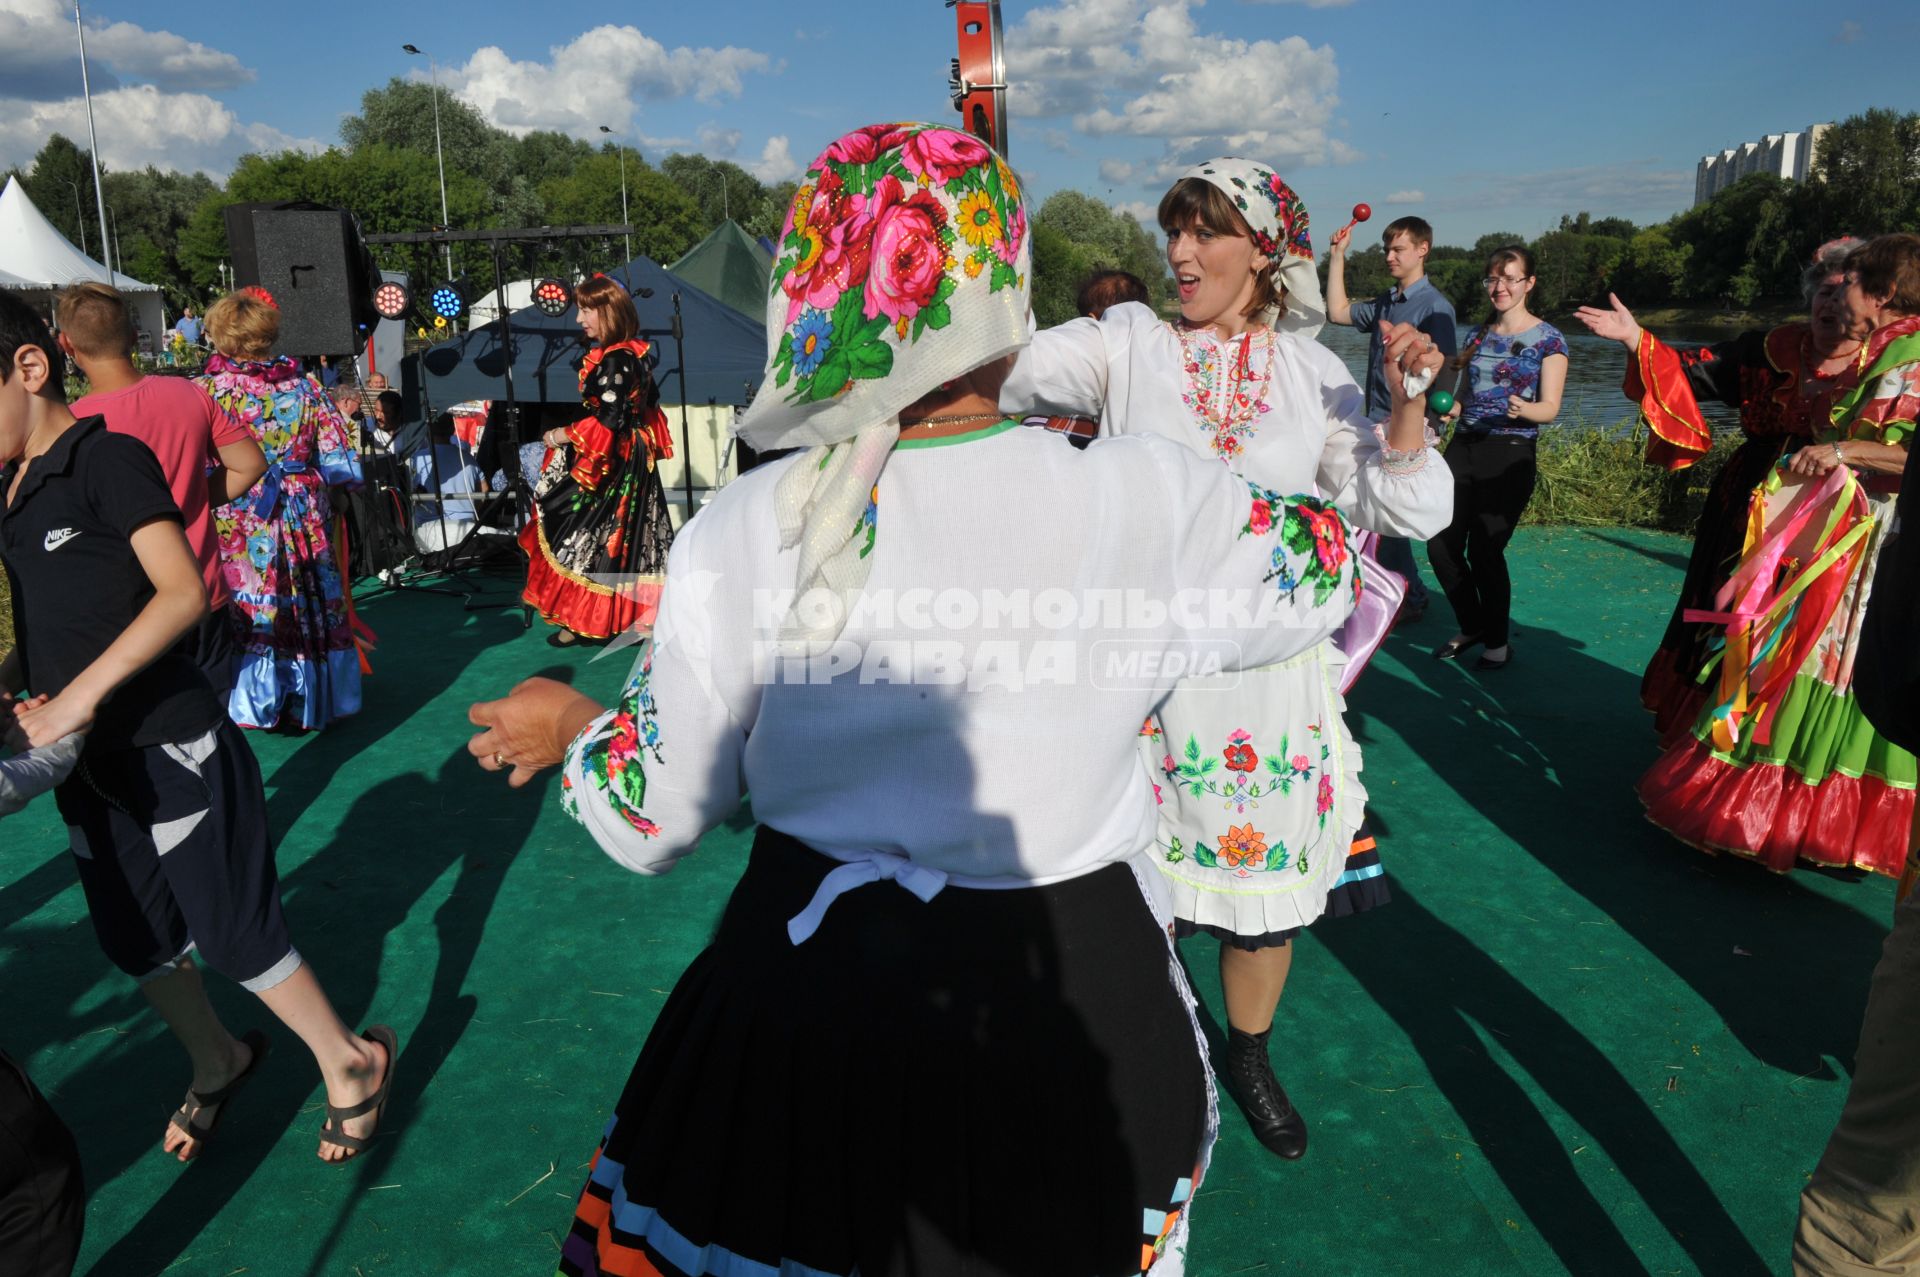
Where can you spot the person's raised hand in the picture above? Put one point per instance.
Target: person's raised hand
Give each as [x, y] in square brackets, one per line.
[1408, 351]
[1341, 238]
[1614, 322]
[529, 729]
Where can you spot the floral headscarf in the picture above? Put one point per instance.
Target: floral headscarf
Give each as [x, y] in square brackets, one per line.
[903, 264]
[1279, 221]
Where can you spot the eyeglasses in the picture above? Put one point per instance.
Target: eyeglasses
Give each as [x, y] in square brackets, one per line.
[1492, 282]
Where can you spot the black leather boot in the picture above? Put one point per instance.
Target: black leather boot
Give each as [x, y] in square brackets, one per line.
[1248, 1075]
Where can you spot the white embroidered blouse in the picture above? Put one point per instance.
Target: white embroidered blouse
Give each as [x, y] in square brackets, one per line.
[978, 719]
[1277, 407]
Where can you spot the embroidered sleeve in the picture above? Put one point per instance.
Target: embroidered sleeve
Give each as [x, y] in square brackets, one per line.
[651, 775]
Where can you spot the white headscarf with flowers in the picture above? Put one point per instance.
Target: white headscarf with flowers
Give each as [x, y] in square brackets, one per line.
[903, 264]
[1279, 221]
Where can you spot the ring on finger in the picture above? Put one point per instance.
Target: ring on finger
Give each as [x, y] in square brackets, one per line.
[499, 761]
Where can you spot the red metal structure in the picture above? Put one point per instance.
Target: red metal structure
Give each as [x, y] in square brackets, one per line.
[979, 79]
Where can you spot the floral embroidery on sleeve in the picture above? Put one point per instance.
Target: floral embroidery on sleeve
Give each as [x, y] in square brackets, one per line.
[613, 760]
[1310, 532]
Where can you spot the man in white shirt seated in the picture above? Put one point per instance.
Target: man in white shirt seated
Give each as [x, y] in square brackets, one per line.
[445, 467]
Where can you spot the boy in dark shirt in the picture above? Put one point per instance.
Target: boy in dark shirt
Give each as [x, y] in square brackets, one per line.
[166, 810]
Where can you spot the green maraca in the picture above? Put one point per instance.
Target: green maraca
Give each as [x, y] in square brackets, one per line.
[1441, 401]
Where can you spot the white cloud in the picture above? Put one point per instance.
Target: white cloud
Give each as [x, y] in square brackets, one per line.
[776, 162]
[594, 79]
[40, 58]
[1142, 69]
[718, 143]
[1406, 197]
[1849, 33]
[1144, 212]
[1311, 4]
[142, 125]
[1116, 171]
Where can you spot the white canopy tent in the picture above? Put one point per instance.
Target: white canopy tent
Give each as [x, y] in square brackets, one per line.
[38, 261]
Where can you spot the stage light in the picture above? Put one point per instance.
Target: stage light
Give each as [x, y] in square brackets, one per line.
[392, 299]
[447, 301]
[551, 297]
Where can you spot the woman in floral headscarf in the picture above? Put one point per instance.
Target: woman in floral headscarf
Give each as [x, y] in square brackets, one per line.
[1262, 808]
[939, 1029]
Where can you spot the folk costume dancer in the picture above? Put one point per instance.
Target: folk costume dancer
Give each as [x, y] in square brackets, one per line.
[960, 976]
[1781, 765]
[299, 668]
[1259, 785]
[1783, 380]
[597, 544]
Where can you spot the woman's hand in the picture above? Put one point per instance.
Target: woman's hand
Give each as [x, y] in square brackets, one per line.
[1816, 459]
[1616, 323]
[1410, 351]
[1517, 407]
[530, 729]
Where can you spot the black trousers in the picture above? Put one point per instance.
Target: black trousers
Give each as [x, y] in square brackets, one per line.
[42, 1200]
[1493, 477]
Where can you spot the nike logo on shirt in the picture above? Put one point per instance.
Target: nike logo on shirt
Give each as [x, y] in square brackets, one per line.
[59, 537]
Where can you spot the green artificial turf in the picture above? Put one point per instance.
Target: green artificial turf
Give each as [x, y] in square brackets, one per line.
[1570, 1044]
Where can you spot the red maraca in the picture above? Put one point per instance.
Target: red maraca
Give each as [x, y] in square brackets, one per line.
[1361, 212]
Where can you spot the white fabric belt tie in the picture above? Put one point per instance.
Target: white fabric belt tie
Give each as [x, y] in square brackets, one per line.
[873, 866]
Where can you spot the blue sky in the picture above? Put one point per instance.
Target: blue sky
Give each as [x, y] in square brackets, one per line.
[1479, 118]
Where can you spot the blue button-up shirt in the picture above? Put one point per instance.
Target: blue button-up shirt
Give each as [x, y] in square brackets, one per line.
[1423, 306]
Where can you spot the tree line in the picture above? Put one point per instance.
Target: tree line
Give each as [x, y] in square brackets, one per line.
[1746, 246]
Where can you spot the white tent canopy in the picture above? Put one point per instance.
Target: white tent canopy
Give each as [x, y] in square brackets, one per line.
[38, 260]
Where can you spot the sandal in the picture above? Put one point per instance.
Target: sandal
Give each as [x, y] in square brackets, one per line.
[332, 1132]
[563, 638]
[197, 1103]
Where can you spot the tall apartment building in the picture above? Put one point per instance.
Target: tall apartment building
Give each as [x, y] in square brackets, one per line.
[1788, 155]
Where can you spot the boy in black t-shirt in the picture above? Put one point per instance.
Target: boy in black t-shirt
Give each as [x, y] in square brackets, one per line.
[166, 809]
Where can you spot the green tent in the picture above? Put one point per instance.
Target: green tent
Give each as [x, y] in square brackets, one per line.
[730, 267]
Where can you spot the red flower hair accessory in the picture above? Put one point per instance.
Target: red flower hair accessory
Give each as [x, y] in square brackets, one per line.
[259, 294]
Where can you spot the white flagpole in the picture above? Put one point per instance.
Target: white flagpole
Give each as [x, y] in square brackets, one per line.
[93, 145]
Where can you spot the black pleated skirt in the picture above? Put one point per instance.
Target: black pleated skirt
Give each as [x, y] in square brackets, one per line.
[987, 1083]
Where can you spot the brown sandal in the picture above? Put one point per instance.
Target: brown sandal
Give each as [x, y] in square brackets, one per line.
[191, 1109]
[331, 1131]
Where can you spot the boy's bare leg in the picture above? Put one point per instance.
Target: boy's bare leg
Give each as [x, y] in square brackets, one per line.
[352, 1067]
[180, 998]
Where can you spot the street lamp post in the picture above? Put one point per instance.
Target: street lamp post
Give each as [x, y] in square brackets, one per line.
[79, 216]
[93, 143]
[624, 219]
[439, 156]
[114, 214]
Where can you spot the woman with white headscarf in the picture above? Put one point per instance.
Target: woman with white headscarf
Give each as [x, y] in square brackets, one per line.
[939, 1029]
[1260, 823]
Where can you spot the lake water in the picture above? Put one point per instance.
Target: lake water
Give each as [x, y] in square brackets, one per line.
[1594, 371]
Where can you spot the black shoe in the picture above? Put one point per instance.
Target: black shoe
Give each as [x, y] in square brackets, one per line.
[1453, 647]
[1411, 613]
[1488, 663]
[1249, 1077]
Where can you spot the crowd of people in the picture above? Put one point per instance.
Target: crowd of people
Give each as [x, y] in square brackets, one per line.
[1024, 945]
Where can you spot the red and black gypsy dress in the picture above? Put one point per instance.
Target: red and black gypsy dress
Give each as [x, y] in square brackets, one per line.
[597, 545]
[1767, 375]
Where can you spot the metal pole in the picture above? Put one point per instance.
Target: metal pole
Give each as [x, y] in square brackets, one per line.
[93, 142]
[624, 218]
[439, 155]
[79, 214]
[114, 213]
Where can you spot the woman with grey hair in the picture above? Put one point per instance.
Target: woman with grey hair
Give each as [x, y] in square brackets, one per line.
[1784, 381]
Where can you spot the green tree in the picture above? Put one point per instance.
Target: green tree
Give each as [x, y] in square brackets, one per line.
[1100, 239]
[60, 184]
[150, 210]
[665, 219]
[1869, 166]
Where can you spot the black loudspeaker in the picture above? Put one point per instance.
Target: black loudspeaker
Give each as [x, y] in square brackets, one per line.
[311, 259]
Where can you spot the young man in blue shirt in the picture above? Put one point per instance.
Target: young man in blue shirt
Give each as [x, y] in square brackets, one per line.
[1412, 300]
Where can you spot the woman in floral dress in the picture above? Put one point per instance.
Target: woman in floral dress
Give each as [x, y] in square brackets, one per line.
[597, 545]
[1788, 769]
[1258, 778]
[299, 668]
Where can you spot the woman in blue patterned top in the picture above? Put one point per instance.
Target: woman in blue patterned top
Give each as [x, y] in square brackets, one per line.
[1513, 370]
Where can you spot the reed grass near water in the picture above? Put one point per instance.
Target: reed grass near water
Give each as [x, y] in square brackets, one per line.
[1594, 477]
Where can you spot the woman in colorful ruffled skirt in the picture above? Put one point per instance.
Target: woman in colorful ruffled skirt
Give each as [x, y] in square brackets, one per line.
[597, 545]
[1781, 765]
